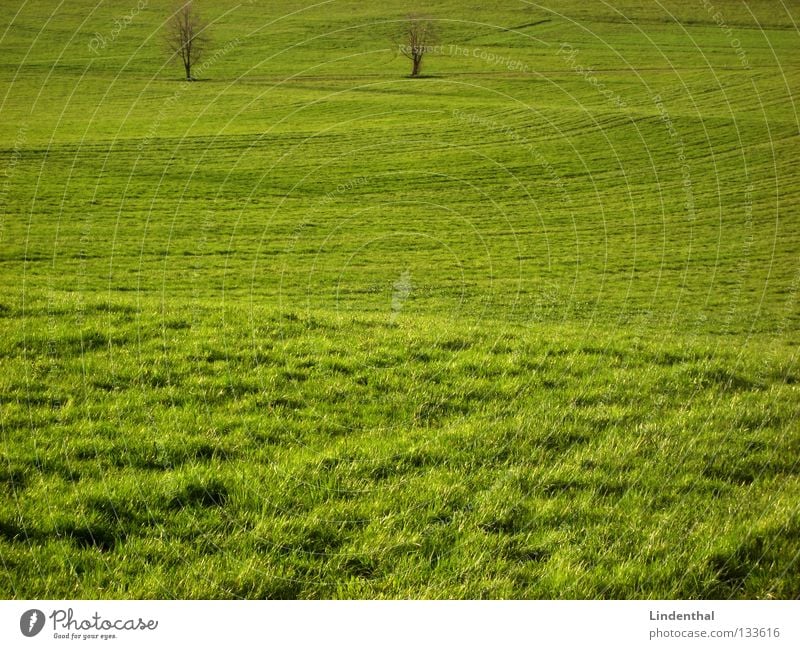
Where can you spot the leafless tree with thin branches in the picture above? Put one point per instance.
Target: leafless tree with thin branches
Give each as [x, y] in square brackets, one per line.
[186, 36]
[418, 37]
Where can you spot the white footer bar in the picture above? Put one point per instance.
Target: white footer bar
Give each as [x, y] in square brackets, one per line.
[390, 624]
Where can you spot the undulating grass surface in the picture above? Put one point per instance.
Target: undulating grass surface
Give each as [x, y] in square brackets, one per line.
[525, 327]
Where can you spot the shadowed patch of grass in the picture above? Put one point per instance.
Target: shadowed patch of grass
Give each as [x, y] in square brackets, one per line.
[201, 493]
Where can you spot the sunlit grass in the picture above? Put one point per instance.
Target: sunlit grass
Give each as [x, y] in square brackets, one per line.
[320, 330]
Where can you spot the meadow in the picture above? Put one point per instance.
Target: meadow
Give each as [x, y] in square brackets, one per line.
[526, 327]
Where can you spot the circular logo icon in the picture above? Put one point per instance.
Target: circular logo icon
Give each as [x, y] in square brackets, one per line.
[31, 622]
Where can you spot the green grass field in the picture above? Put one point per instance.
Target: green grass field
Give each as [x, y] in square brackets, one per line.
[308, 328]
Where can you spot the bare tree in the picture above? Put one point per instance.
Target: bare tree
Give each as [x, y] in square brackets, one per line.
[418, 37]
[186, 36]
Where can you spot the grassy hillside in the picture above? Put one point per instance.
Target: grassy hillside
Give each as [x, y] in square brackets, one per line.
[525, 327]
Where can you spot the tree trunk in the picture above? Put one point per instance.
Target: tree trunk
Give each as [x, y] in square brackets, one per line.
[417, 62]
